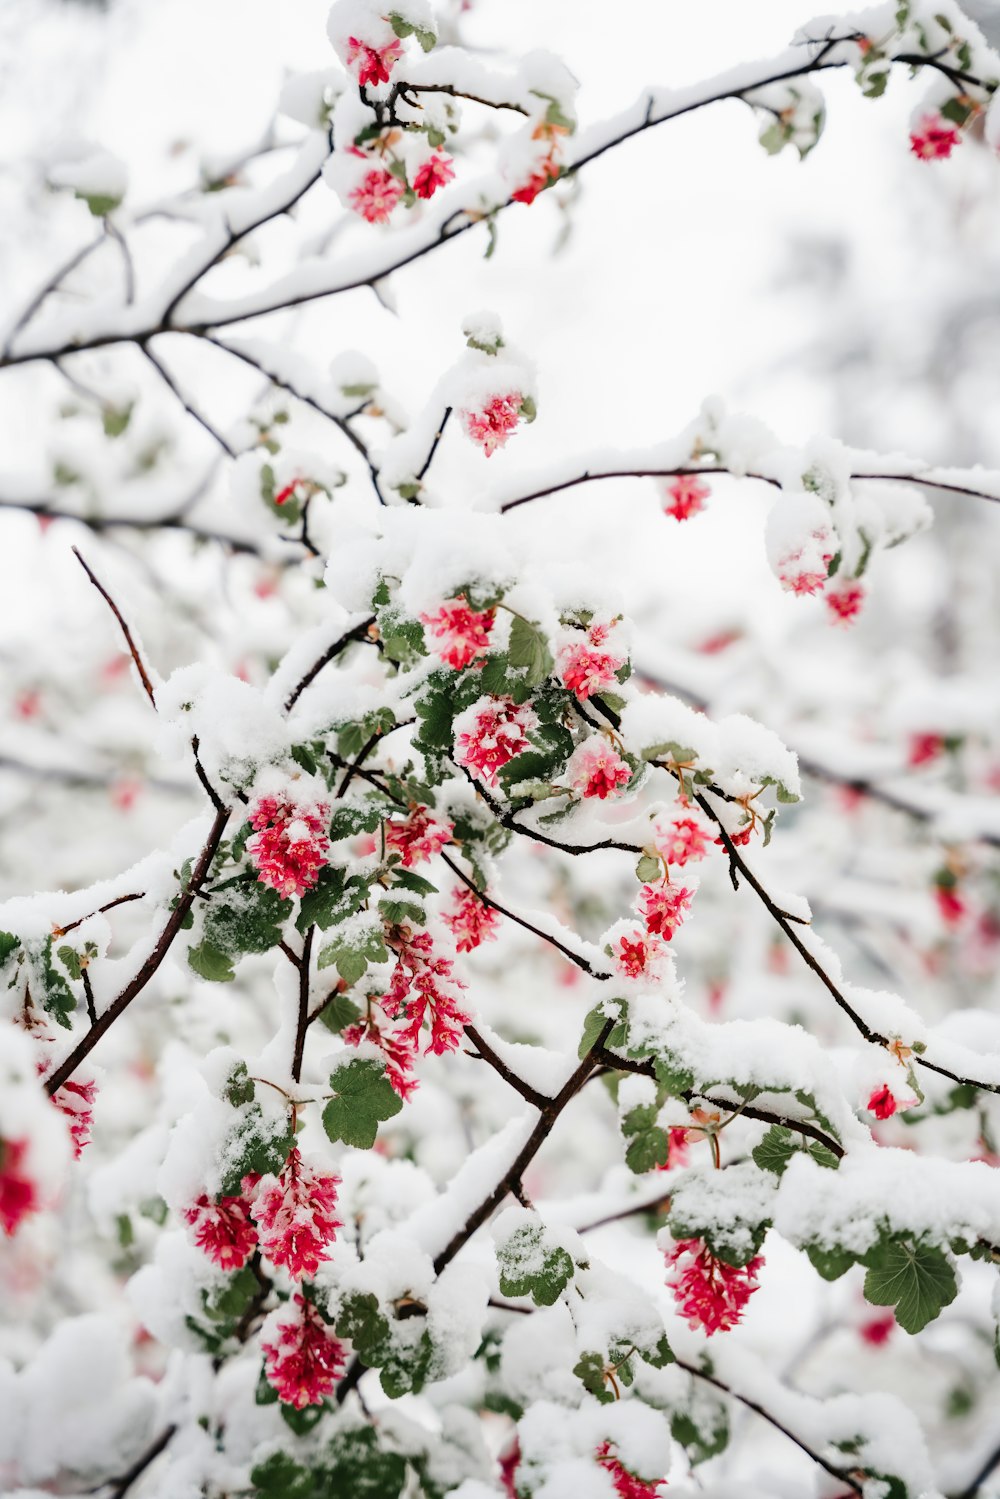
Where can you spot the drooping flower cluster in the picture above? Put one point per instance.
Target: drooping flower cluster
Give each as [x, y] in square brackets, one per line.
[433, 173]
[463, 633]
[19, 1194]
[491, 733]
[709, 1293]
[417, 837]
[295, 1216]
[685, 496]
[805, 569]
[223, 1230]
[636, 953]
[663, 907]
[471, 920]
[376, 195]
[288, 848]
[595, 768]
[934, 138]
[492, 424]
[883, 1102]
[627, 1486]
[76, 1101]
[398, 1050]
[302, 1361]
[423, 988]
[844, 600]
[372, 64]
[585, 669]
[681, 838]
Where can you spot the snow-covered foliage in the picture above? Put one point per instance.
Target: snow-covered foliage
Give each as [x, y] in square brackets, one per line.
[457, 1097]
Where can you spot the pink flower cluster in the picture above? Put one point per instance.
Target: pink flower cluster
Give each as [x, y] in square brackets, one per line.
[76, 1101]
[290, 1216]
[883, 1103]
[663, 907]
[417, 837]
[685, 496]
[585, 669]
[302, 1361]
[376, 195]
[491, 733]
[471, 920]
[709, 1293]
[637, 954]
[372, 64]
[423, 989]
[289, 845]
[844, 600]
[806, 568]
[934, 138]
[595, 768]
[493, 423]
[19, 1194]
[681, 838]
[627, 1486]
[463, 633]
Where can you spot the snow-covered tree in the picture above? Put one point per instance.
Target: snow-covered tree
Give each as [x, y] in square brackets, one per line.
[514, 1025]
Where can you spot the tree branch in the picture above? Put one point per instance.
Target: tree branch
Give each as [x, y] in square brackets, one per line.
[129, 640]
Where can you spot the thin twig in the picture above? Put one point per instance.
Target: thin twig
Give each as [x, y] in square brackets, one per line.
[302, 1022]
[192, 411]
[129, 640]
[330, 654]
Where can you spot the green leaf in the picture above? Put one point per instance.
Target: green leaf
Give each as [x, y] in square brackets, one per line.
[704, 1438]
[248, 920]
[776, 1149]
[830, 1263]
[8, 942]
[917, 1279]
[57, 996]
[649, 1146]
[338, 1013]
[594, 1024]
[333, 898]
[70, 959]
[353, 954]
[399, 912]
[531, 1264]
[210, 962]
[590, 1372]
[347, 821]
[648, 869]
[239, 1088]
[254, 1147]
[280, 1476]
[529, 650]
[365, 1098]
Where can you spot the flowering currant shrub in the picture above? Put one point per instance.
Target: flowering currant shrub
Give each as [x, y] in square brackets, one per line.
[461, 1101]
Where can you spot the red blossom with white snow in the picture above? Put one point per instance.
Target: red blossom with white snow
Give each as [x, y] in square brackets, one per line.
[685, 496]
[417, 837]
[595, 768]
[710, 1293]
[223, 1230]
[682, 838]
[491, 425]
[462, 634]
[376, 195]
[424, 990]
[435, 172]
[491, 733]
[664, 907]
[627, 1485]
[295, 1216]
[76, 1100]
[302, 1360]
[586, 671]
[844, 601]
[934, 138]
[288, 848]
[372, 64]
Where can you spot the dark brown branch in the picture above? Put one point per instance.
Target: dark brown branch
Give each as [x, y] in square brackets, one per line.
[487, 1054]
[119, 900]
[135, 986]
[122, 1485]
[102, 523]
[507, 820]
[302, 1023]
[434, 445]
[129, 641]
[192, 411]
[330, 654]
[209, 789]
[989, 1466]
[88, 992]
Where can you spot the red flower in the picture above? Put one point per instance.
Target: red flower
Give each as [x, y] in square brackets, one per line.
[844, 601]
[472, 920]
[76, 1101]
[877, 1330]
[882, 1103]
[289, 846]
[294, 1213]
[627, 1486]
[223, 1230]
[374, 64]
[681, 840]
[545, 174]
[585, 671]
[924, 748]
[302, 1362]
[464, 633]
[491, 733]
[376, 195]
[934, 138]
[709, 1293]
[637, 953]
[432, 174]
[18, 1193]
[686, 495]
[423, 988]
[492, 426]
[664, 908]
[417, 837]
[595, 768]
[950, 904]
